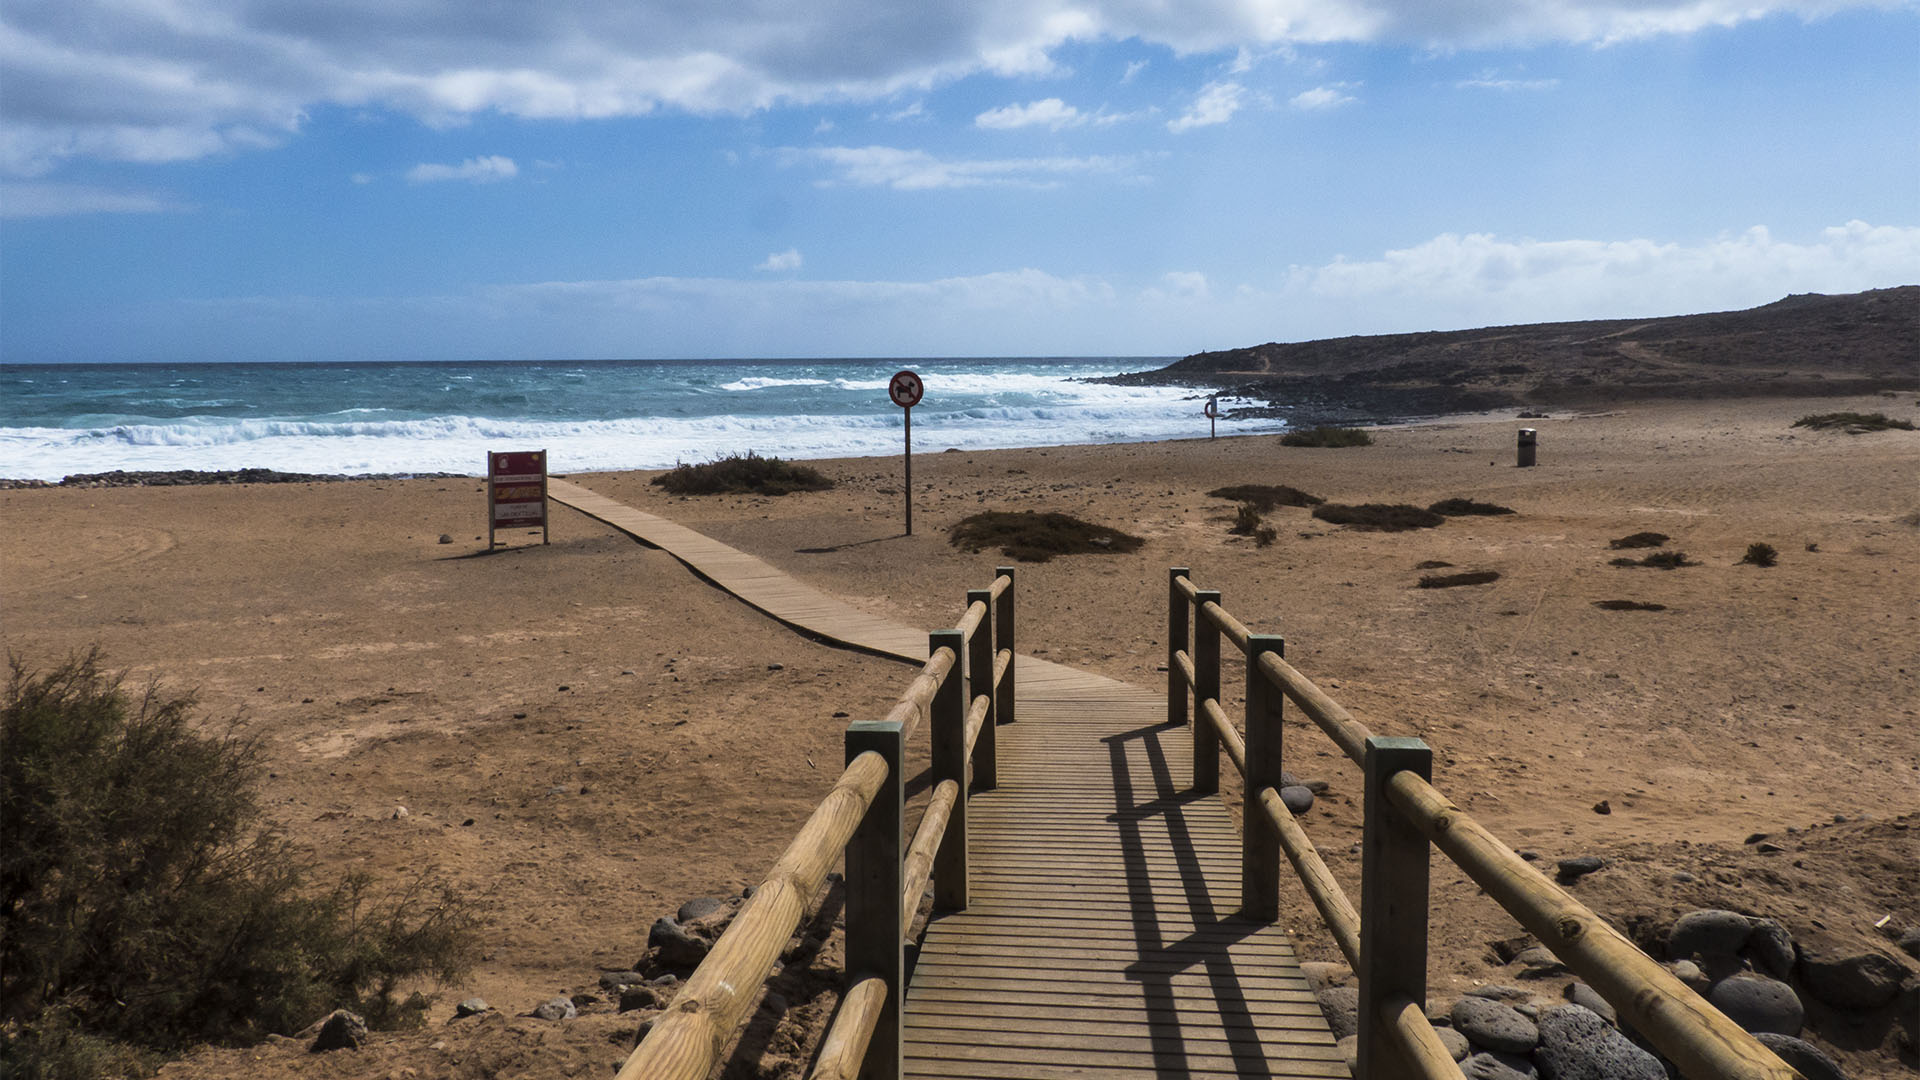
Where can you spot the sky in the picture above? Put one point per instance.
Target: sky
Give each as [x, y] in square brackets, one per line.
[254, 180]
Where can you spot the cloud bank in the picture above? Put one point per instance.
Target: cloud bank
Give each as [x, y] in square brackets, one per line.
[154, 82]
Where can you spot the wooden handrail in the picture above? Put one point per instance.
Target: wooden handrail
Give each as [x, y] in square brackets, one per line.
[975, 615]
[1408, 1025]
[1001, 583]
[688, 1038]
[1229, 736]
[1328, 898]
[926, 843]
[845, 1046]
[916, 702]
[1183, 660]
[1348, 734]
[1693, 1034]
[1235, 630]
[977, 719]
[1002, 660]
[1186, 586]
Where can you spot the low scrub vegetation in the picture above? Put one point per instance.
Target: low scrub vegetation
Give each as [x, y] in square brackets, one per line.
[1468, 508]
[145, 906]
[1246, 520]
[742, 475]
[1628, 605]
[1760, 554]
[1853, 423]
[1324, 436]
[1031, 536]
[1266, 497]
[1639, 540]
[1448, 581]
[1379, 517]
[1659, 560]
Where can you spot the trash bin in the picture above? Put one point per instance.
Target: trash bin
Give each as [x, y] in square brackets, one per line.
[1527, 442]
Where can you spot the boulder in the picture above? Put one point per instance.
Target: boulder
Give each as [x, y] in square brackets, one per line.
[1493, 1026]
[1455, 1042]
[1771, 948]
[639, 997]
[1575, 1044]
[1758, 1003]
[614, 981]
[341, 1030]
[1568, 871]
[559, 1008]
[1712, 934]
[1341, 1004]
[676, 948]
[1588, 998]
[1492, 1065]
[699, 908]
[473, 1006]
[1298, 798]
[1861, 982]
[1809, 1059]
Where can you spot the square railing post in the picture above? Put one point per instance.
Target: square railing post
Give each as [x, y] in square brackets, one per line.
[1177, 642]
[1259, 840]
[1206, 685]
[875, 936]
[948, 734]
[1393, 903]
[1003, 695]
[980, 649]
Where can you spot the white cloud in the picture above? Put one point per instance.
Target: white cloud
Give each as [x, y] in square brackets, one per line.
[781, 260]
[918, 170]
[1489, 80]
[1134, 68]
[1321, 97]
[1049, 112]
[915, 111]
[479, 170]
[361, 178]
[183, 79]
[1216, 104]
[823, 127]
[33, 200]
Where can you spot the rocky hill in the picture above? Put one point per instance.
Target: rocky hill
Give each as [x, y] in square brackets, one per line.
[1801, 345]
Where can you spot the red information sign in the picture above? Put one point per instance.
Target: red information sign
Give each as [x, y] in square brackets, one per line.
[517, 492]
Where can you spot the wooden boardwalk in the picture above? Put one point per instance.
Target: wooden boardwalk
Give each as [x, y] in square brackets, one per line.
[1100, 938]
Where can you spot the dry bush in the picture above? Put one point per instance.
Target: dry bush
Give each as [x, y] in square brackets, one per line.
[1760, 554]
[1628, 605]
[1449, 581]
[737, 475]
[1327, 437]
[1246, 520]
[1853, 423]
[1378, 517]
[1659, 560]
[1639, 540]
[1266, 496]
[1030, 536]
[1468, 508]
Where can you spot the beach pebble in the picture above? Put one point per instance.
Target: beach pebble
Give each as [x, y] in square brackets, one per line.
[473, 1006]
[639, 997]
[613, 981]
[699, 908]
[1575, 1044]
[1587, 997]
[399, 812]
[341, 1030]
[1540, 963]
[1771, 948]
[1758, 1003]
[1711, 933]
[1297, 798]
[1493, 1026]
[559, 1008]
[1572, 870]
[1501, 992]
[445, 539]
[1492, 1065]
[1861, 982]
[1810, 1060]
[1455, 1042]
[675, 947]
[1603, 807]
[1689, 972]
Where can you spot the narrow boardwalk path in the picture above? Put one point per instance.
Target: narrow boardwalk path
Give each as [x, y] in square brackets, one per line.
[1100, 939]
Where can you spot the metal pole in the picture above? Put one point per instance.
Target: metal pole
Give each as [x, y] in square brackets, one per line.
[909, 487]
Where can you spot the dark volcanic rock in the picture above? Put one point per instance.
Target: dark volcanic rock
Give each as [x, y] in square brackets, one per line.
[1812, 1062]
[1572, 870]
[1575, 1044]
[1758, 1003]
[1494, 1026]
[699, 908]
[677, 948]
[1711, 934]
[1341, 1005]
[341, 1030]
[1492, 1065]
[1771, 948]
[1861, 982]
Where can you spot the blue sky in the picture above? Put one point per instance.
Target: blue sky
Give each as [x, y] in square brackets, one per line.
[411, 179]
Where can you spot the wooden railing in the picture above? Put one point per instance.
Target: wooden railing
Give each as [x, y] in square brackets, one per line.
[965, 689]
[1386, 940]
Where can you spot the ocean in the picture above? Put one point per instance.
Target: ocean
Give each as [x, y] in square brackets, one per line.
[61, 419]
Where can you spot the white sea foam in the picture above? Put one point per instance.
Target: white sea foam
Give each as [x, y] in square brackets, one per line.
[764, 384]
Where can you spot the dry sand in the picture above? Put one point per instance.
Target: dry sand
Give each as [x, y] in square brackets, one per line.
[587, 734]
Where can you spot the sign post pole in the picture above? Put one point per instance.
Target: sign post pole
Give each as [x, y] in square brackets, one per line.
[906, 390]
[1213, 416]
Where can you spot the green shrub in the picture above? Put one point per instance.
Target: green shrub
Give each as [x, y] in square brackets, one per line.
[1659, 560]
[1638, 540]
[1759, 554]
[1266, 496]
[1468, 508]
[1853, 423]
[146, 907]
[1379, 517]
[737, 475]
[1448, 581]
[1029, 536]
[1324, 436]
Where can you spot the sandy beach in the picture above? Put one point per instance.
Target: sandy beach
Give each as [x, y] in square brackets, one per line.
[585, 734]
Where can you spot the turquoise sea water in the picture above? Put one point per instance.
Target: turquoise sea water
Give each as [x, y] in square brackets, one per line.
[57, 420]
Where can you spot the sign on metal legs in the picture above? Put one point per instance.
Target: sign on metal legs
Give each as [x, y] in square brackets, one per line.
[516, 492]
[906, 390]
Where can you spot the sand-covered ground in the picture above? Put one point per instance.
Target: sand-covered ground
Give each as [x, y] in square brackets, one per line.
[586, 734]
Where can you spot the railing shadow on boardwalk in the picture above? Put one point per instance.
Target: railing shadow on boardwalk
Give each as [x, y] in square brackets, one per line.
[1207, 946]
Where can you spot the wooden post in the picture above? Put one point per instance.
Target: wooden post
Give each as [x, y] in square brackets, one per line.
[1206, 684]
[908, 486]
[1004, 698]
[1259, 840]
[949, 737]
[875, 936]
[1177, 641]
[980, 650]
[1393, 904]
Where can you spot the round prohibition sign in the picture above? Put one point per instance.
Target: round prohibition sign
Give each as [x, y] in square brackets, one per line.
[905, 389]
